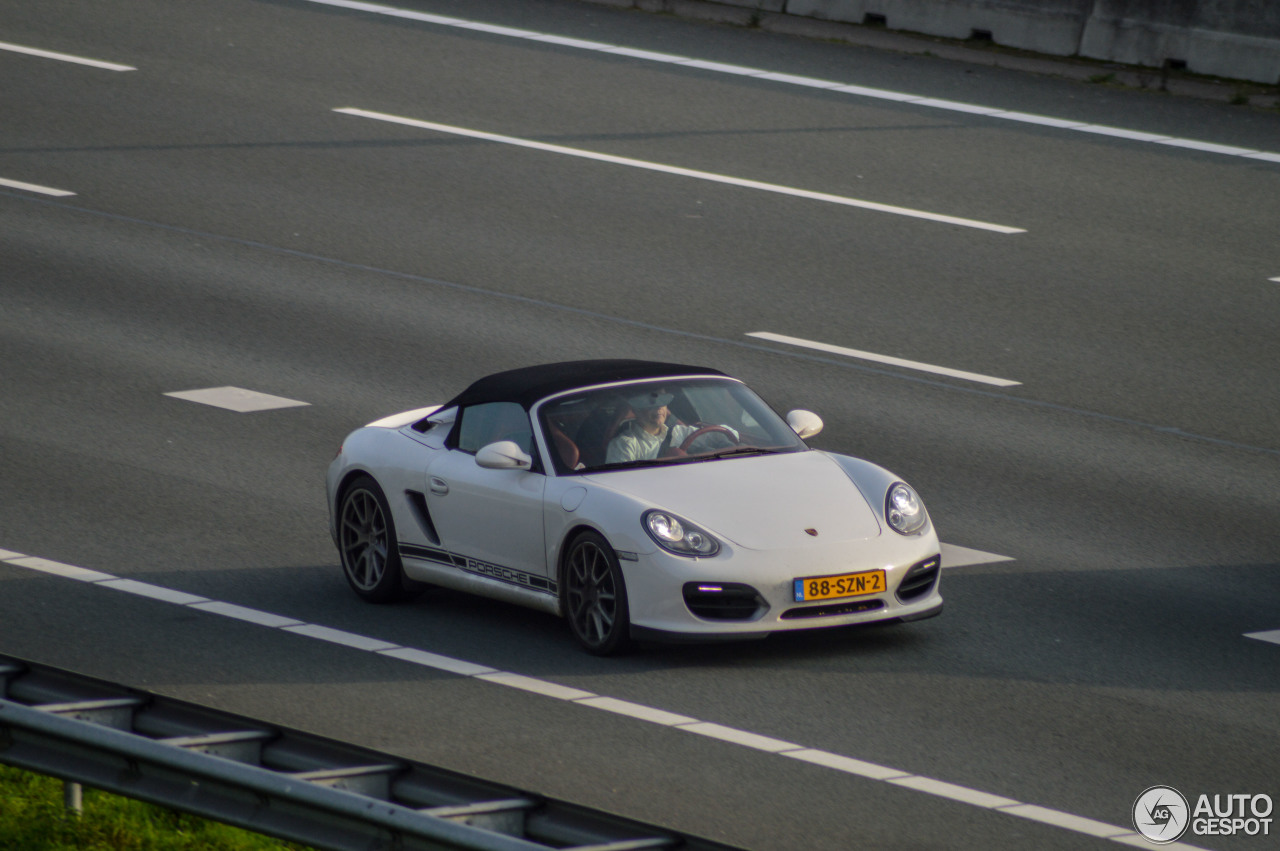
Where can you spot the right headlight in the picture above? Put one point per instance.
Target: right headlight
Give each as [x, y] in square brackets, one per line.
[679, 536]
[904, 511]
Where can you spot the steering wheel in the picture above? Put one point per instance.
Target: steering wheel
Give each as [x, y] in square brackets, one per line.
[702, 430]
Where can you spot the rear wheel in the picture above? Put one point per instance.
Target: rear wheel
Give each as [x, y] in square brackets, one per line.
[368, 546]
[595, 597]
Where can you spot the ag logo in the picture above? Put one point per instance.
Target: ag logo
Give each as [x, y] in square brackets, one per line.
[1161, 814]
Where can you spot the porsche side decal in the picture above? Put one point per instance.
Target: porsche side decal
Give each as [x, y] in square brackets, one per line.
[509, 575]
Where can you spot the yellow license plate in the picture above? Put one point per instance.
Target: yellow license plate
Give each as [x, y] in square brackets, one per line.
[843, 585]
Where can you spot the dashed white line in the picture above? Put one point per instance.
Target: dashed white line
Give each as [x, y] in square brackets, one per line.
[809, 82]
[237, 399]
[35, 187]
[578, 697]
[1272, 636]
[1274, 280]
[65, 57]
[954, 556]
[677, 170]
[884, 359]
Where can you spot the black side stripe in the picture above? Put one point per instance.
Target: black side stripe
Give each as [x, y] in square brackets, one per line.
[509, 575]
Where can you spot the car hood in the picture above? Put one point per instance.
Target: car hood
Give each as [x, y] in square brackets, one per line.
[758, 502]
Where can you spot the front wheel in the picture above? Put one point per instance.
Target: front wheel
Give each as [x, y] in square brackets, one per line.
[368, 546]
[595, 597]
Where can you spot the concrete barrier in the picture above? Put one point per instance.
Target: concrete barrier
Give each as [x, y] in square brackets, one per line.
[1239, 39]
[1045, 26]
[1226, 38]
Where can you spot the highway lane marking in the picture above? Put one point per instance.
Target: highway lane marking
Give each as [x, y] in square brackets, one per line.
[884, 359]
[155, 592]
[1275, 280]
[237, 399]
[1272, 636]
[677, 170]
[578, 697]
[34, 187]
[954, 556]
[809, 82]
[65, 57]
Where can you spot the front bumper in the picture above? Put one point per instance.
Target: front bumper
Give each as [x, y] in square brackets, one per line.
[743, 593]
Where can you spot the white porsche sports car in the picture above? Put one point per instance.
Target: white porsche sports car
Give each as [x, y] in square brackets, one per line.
[637, 500]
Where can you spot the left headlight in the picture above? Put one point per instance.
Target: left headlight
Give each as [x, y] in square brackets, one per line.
[904, 511]
[678, 536]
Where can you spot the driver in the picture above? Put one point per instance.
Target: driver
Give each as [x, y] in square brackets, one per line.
[647, 436]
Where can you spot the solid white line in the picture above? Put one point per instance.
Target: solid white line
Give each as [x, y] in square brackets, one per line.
[231, 610]
[740, 737]
[637, 710]
[338, 636]
[1077, 824]
[847, 764]
[155, 592]
[67, 571]
[440, 663]
[1209, 147]
[827, 85]
[33, 187]
[1272, 636]
[885, 359]
[963, 794]
[1137, 840]
[65, 57]
[559, 692]
[578, 697]
[677, 170]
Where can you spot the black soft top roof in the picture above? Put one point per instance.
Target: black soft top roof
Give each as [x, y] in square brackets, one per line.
[527, 385]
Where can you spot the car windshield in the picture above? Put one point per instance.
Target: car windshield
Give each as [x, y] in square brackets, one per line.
[652, 423]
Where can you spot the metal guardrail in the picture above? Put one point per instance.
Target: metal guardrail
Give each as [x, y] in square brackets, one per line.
[283, 782]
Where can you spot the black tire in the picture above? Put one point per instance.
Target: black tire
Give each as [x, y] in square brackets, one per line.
[594, 596]
[368, 546]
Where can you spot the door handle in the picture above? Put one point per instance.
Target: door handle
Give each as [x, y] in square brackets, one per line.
[439, 486]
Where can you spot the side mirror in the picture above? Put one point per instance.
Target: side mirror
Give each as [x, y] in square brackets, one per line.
[804, 423]
[503, 455]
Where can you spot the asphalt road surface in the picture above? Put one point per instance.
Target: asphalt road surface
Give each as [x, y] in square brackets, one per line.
[1076, 334]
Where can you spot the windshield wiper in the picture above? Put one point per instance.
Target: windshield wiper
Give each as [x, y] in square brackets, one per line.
[639, 462]
[741, 450]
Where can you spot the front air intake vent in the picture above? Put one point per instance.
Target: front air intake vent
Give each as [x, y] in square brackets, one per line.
[920, 580]
[724, 601]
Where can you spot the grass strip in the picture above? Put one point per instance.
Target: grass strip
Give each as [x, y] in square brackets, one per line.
[33, 818]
